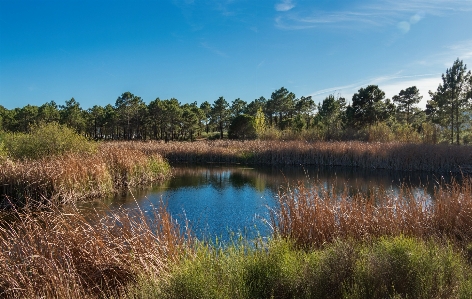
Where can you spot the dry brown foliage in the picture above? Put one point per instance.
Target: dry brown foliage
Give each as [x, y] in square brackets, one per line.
[73, 177]
[315, 216]
[61, 254]
[392, 155]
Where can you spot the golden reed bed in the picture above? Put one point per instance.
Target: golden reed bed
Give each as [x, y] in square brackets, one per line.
[395, 156]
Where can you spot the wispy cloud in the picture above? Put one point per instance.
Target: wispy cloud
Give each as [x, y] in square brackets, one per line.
[444, 57]
[390, 84]
[400, 13]
[424, 83]
[285, 5]
[462, 50]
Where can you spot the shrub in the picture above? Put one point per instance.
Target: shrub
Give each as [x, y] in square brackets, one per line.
[50, 139]
[379, 132]
[388, 267]
[408, 268]
[406, 133]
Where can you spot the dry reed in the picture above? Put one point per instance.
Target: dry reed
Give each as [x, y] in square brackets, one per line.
[72, 177]
[395, 156]
[61, 254]
[316, 216]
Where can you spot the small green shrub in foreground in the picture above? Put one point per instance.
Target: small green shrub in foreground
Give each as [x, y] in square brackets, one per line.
[46, 140]
[399, 267]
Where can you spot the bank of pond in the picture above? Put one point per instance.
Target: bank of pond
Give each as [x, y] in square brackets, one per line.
[121, 222]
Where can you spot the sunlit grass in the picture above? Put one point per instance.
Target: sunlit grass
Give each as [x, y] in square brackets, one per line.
[314, 216]
[61, 254]
[78, 176]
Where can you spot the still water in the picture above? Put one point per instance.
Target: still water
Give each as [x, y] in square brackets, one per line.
[220, 201]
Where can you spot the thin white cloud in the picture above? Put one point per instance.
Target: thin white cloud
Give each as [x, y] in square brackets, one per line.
[400, 13]
[461, 50]
[390, 84]
[285, 5]
[444, 57]
[424, 83]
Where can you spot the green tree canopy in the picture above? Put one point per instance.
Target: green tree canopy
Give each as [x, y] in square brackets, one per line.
[451, 99]
[369, 106]
[331, 114]
[282, 102]
[406, 101]
[242, 127]
[72, 115]
[237, 107]
[49, 112]
[220, 114]
[127, 106]
[254, 106]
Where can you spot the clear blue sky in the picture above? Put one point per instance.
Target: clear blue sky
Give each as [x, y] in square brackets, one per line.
[197, 50]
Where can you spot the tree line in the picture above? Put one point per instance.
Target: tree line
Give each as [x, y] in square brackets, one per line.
[367, 116]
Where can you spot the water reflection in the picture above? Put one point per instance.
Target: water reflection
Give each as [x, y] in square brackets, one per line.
[218, 200]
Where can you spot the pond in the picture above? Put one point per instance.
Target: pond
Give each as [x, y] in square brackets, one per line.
[224, 200]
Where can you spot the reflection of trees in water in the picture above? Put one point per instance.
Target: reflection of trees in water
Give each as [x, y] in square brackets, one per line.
[217, 177]
[338, 179]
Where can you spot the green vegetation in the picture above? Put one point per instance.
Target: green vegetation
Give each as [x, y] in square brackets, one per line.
[45, 140]
[395, 267]
[366, 116]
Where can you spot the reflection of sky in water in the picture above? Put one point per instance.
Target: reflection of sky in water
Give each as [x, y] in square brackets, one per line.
[220, 200]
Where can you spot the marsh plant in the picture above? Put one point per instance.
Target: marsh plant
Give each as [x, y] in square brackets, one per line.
[60, 254]
[392, 155]
[53, 164]
[313, 216]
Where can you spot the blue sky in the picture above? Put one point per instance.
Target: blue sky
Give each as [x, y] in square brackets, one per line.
[199, 50]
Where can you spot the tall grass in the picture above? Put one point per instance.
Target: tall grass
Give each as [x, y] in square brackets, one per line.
[316, 216]
[77, 176]
[61, 254]
[395, 156]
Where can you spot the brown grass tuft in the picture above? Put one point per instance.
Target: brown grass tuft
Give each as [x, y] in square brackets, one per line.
[73, 177]
[315, 216]
[61, 254]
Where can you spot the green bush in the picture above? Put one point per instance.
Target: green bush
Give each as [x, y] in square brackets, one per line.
[408, 268]
[46, 140]
[397, 267]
